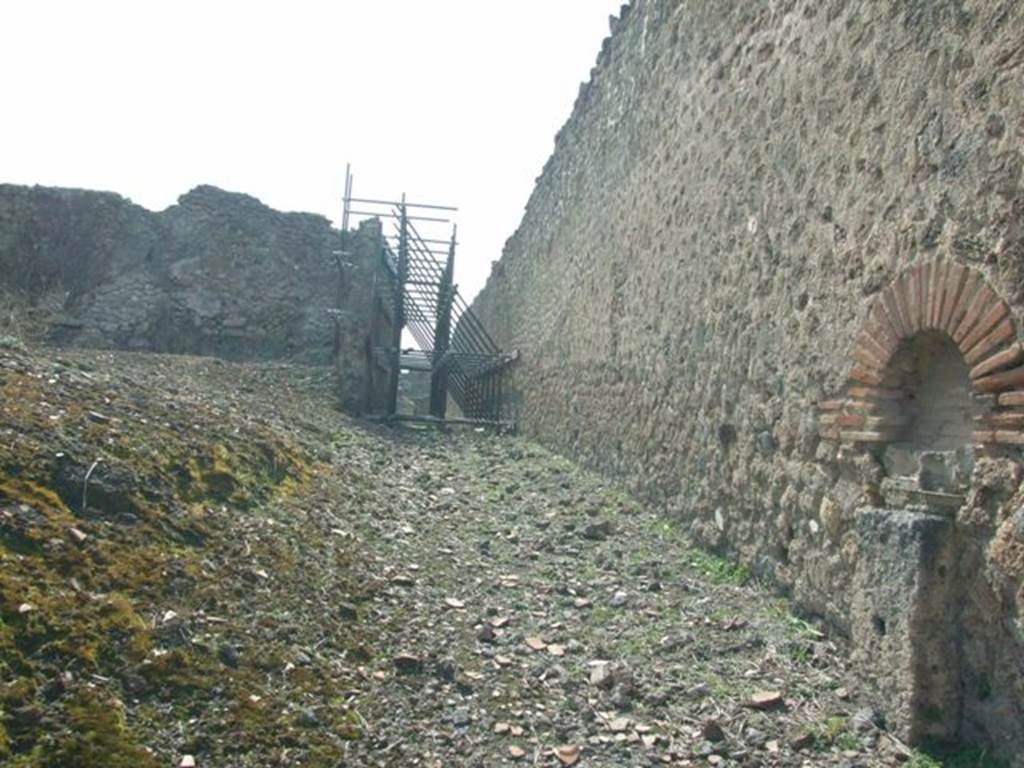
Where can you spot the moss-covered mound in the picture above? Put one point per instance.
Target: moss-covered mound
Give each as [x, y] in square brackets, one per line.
[141, 570]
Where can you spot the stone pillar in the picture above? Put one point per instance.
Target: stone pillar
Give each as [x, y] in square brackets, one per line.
[904, 620]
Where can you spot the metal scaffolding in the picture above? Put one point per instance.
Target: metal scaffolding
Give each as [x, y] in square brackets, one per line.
[417, 292]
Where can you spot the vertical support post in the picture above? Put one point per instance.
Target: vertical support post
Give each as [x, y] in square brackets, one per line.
[485, 404]
[501, 394]
[347, 202]
[442, 336]
[492, 396]
[398, 321]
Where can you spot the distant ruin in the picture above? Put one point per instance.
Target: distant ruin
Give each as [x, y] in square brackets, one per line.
[219, 273]
[772, 279]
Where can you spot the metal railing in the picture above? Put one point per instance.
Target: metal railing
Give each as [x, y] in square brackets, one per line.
[418, 293]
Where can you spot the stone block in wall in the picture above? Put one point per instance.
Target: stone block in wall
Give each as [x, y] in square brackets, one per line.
[903, 619]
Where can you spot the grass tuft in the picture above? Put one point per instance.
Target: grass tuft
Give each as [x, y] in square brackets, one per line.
[720, 570]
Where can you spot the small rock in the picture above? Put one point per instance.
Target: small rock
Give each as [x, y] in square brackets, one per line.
[228, 654]
[461, 717]
[348, 612]
[619, 599]
[407, 664]
[536, 644]
[598, 531]
[765, 700]
[864, 720]
[712, 731]
[622, 697]
[447, 669]
[516, 753]
[656, 698]
[187, 761]
[98, 418]
[802, 740]
[568, 754]
[618, 725]
[500, 728]
[78, 535]
[307, 718]
[25, 608]
[600, 674]
[455, 603]
[486, 634]
[755, 737]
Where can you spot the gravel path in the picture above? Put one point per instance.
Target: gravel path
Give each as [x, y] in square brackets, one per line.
[259, 580]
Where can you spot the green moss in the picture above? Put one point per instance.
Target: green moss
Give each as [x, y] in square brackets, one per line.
[182, 671]
[26, 491]
[6, 643]
[242, 475]
[834, 726]
[119, 624]
[98, 736]
[174, 476]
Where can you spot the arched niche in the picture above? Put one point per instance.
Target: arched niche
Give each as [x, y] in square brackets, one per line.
[936, 366]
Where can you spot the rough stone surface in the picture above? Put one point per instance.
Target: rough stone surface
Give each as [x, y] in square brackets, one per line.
[738, 183]
[905, 620]
[218, 273]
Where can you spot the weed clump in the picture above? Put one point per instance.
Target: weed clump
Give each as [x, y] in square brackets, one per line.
[720, 570]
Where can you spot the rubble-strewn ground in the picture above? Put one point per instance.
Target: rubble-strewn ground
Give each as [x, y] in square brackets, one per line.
[207, 561]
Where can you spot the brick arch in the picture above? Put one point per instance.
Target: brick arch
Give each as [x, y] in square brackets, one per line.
[938, 296]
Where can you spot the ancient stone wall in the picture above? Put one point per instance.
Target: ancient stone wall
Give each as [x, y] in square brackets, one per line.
[739, 185]
[218, 273]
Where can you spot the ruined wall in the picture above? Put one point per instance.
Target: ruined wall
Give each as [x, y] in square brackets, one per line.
[218, 273]
[738, 183]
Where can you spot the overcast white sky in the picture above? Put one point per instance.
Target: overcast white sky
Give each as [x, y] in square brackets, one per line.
[451, 101]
